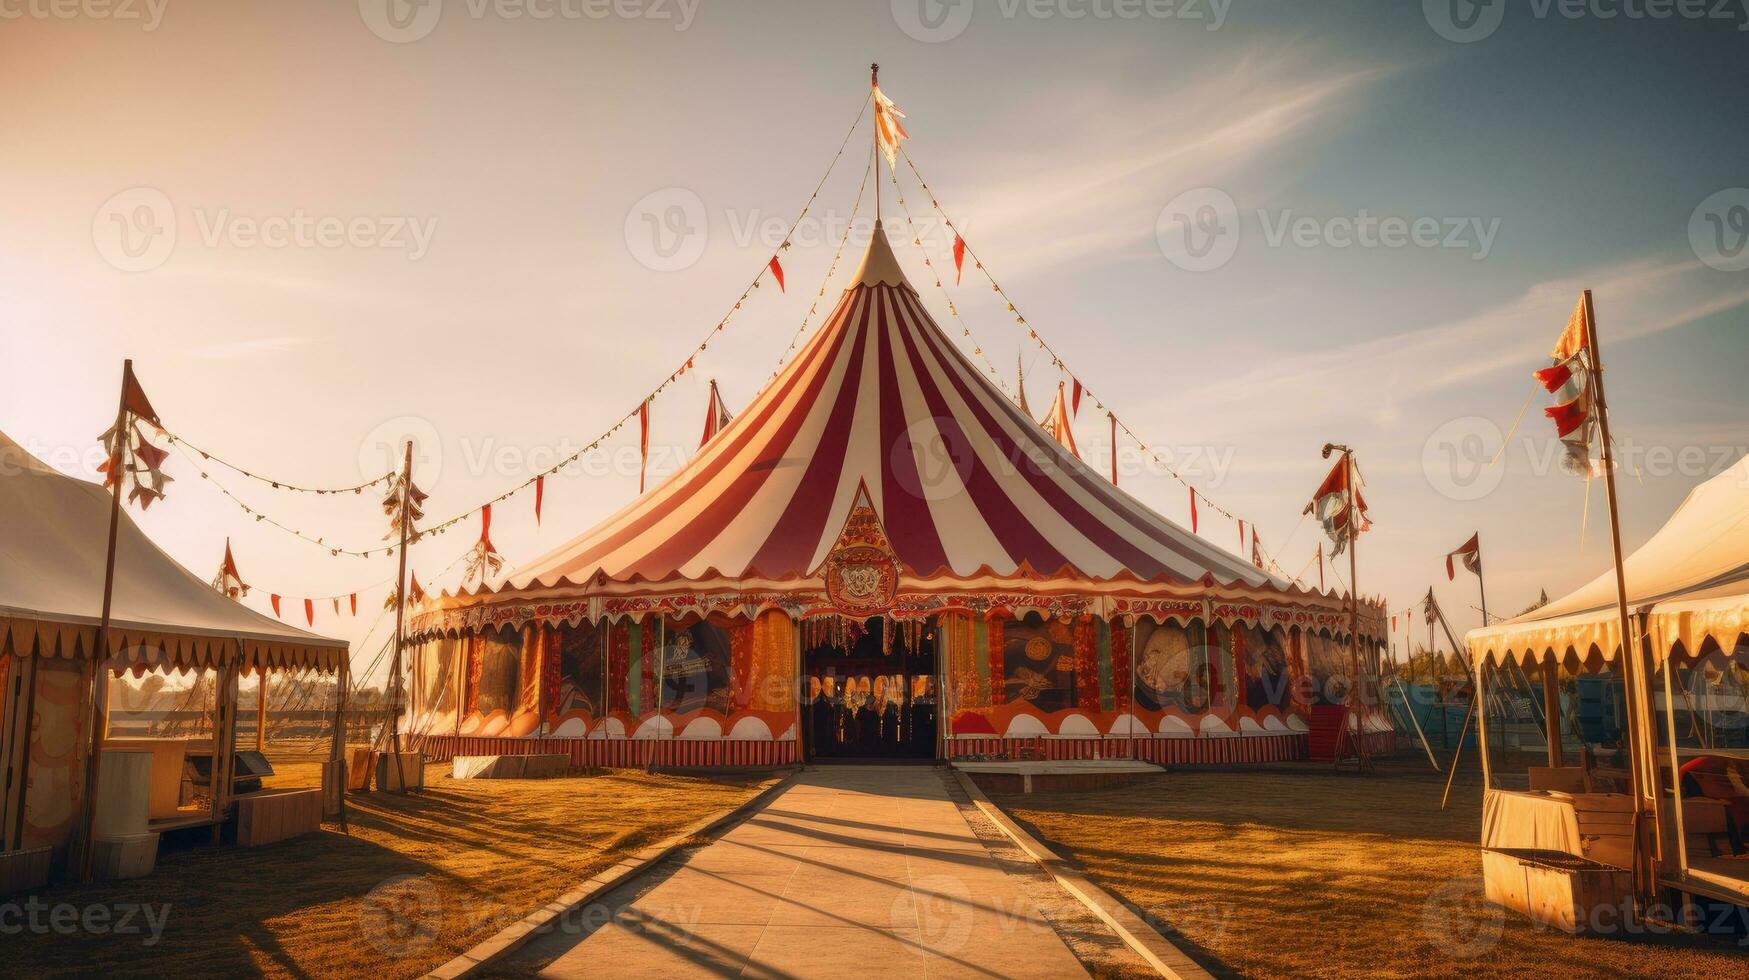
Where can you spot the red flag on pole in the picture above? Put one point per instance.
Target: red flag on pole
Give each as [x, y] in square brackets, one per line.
[716, 415]
[959, 257]
[414, 591]
[1471, 553]
[776, 268]
[540, 489]
[643, 441]
[134, 397]
[1113, 447]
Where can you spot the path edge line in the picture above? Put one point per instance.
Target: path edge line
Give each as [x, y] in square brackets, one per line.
[1147, 942]
[512, 937]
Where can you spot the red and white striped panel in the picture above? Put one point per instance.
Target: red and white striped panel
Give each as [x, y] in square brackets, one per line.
[620, 753]
[1236, 750]
[963, 481]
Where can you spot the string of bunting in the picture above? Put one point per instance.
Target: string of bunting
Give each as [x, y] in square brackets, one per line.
[264, 519]
[962, 249]
[952, 308]
[837, 254]
[207, 455]
[772, 267]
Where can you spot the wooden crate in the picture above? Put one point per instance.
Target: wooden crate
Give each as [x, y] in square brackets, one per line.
[1558, 889]
[412, 768]
[278, 814]
[360, 765]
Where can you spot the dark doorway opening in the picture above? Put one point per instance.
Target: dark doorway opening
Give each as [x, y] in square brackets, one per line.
[873, 698]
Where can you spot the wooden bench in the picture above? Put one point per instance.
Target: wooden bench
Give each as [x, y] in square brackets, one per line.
[277, 814]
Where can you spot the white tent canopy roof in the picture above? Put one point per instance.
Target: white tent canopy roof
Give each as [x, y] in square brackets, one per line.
[1691, 578]
[52, 556]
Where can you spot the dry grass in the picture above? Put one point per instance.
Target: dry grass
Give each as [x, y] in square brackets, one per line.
[492, 851]
[1305, 872]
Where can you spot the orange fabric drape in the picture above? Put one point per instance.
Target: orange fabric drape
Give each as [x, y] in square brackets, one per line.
[528, 672]
[998, 672]
[1086, 638]
[968, 687]
[740, 664]
[770, 663]
[619, 653]
[476, 662]
[1240, 674]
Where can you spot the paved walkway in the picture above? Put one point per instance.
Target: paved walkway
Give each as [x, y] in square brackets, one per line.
[865, 871]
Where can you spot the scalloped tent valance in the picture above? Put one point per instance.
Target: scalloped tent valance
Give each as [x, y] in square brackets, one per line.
[51, 587]
[1690, 583]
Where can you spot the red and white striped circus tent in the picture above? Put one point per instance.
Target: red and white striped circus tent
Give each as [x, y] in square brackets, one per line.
[881, 478]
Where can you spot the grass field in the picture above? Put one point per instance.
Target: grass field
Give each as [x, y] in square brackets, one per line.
[1306, 872]
[459, 860]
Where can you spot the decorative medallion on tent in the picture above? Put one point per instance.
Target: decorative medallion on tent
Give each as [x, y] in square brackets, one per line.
[862, 573]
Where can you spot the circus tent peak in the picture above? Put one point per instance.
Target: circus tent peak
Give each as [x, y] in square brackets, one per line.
[963, 483]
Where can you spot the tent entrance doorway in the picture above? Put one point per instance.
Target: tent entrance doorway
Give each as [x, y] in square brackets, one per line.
[871, 696]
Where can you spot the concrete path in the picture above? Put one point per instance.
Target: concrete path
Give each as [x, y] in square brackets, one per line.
[864, 871]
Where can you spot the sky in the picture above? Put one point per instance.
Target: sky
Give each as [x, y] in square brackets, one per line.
[1249, 228]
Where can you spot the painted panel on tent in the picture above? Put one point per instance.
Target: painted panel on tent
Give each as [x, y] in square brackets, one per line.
[56, 772]
[1038, 663]
[1165, 669]
[439, 667]
[580, 670]
[500, 655]
[1327, 660]
[696, 669]
[1267, 677]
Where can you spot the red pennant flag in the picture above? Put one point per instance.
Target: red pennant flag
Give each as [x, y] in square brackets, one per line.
[540, 489]
[1113, 447]
[354, 600]
[1193, 511]
[959, 257]
[1553, 378]
[486, 527]
[1075, 398]
[776, 268]
[310, 611]
[134, 398]
[1471, 553]
[644, 439]
[275, 600]
[336, 602]
[1241, 535]
[417, 593]
[1393, 624]
[1570, 415]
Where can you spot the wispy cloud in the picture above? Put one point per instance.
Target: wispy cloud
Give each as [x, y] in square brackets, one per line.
[1223, 129]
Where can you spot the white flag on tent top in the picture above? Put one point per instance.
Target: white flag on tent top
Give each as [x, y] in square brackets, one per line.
[888, 130]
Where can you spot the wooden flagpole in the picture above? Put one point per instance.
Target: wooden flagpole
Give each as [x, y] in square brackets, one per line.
[99, 676]
[1469, 714]
[1641, 754]
[874, 82]
[1362, 760]
[400, 620]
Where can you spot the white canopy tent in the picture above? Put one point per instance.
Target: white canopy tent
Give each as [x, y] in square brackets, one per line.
[1691, 581]
[51, 586]
[53, 551]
